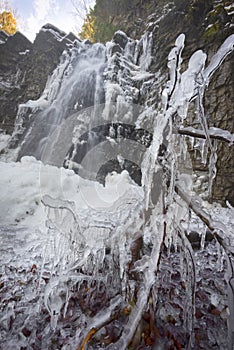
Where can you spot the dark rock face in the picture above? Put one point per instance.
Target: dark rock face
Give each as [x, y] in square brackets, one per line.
[219, 101]
[113, 165]
[206, 25]
[105, 133]
[25, 68]
[13, 55]
[3, 37]
[193, 19]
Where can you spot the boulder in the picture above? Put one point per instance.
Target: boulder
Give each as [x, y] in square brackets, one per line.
[120, 38]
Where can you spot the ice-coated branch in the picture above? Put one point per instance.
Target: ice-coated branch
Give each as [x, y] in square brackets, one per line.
[225, 49]
[54, 203]
[102, 318]
[144, 289]
[214, 226]
[214, 133]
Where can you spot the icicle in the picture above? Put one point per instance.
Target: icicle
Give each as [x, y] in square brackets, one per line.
[183, 148]
[174, 63]
[204, 151]
[203, 238]
[189, 275]
[212, 165]
[225, 49]
[145, 59]
[191, 141]
[220, 257]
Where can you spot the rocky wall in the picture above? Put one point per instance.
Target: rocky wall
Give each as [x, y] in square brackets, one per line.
[206, 25]
[25, 68]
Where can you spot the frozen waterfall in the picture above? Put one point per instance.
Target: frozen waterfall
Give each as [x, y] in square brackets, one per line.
[109, 264]
[76, 84]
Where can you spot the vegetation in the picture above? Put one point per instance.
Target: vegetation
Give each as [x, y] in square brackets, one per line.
[88, 27]
[98, 26]
[216, 21]
[8, 22]
[99, 22]
[211, 31]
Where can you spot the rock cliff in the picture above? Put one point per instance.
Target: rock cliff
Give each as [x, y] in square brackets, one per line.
[206, 25]
[25, 67]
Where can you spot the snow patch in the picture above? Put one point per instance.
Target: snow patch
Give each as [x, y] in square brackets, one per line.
[23, 185]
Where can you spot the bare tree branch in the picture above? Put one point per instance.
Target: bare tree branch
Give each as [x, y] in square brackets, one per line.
[214, 133]
[81, 8]
[78, 10]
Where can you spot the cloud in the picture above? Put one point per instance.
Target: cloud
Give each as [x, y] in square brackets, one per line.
[57, 12]
[43, 11]
[43, 8]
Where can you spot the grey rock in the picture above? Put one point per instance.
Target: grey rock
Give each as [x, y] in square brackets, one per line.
[120, 38]
[25, 68]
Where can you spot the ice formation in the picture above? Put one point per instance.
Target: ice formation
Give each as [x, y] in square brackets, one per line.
[80, 262]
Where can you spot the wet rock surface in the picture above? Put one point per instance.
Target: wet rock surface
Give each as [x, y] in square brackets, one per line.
[25, 68]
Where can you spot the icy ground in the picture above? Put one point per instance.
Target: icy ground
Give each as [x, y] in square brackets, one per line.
[23, 185]
[25, 322]
[25, 240]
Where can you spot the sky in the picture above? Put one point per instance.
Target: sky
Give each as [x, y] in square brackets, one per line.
[33, 14]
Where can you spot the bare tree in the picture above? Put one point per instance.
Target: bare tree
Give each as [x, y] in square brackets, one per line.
[5, 6]
[81, 9]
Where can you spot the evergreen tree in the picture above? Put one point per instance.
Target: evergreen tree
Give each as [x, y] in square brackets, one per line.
[98, 26]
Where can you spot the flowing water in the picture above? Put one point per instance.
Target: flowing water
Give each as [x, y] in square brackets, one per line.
[76, 84]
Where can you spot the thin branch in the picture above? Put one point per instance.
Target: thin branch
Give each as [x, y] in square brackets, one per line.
[102, 319]
[214, 133]
[214, 226]
[53, 203]
[80, 12]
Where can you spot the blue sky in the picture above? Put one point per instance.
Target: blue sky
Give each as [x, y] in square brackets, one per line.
[33, 14]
